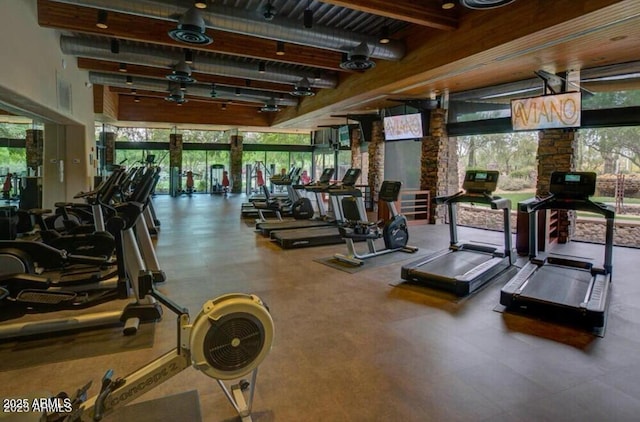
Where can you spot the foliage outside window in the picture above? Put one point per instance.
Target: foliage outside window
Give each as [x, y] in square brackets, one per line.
[276, 138]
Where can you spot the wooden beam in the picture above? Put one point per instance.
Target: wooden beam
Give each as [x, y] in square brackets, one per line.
[424, 13]
[193, 112]
[154, 31]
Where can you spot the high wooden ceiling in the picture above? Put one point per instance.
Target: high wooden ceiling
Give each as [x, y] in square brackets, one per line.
[436, 51]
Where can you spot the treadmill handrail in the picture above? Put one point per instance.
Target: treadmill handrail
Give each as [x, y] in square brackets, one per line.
[496, 202]
[563, 203]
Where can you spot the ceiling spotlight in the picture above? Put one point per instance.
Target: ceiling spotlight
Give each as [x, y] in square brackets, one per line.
[447, 4]
[122, 67]
[115, 46]
[200, 4]
[188, 56]
[181, 73]
[213, 92]
[384, 35]
[238, 92]
[269, 12]
[280, 48]
[223, 106]
[136, 99]
[302, 89]
[262, 67]
[308, 16]
[129, 80]
[134, 91]
[101, 22]
[191, 29]
[183, 86]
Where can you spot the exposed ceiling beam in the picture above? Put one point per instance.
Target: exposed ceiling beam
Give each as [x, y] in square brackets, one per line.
[417, 12]
[82, 19]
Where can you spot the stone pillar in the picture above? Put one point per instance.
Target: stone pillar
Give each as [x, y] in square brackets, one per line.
[34, 141]
[376, 161]
[235, 164]
[556, 152]
[109, 143]
[175, 159]
[356, 157]
[439, 162]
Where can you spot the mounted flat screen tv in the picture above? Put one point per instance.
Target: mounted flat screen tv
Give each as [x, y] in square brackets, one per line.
[404, 126]
[344, 136]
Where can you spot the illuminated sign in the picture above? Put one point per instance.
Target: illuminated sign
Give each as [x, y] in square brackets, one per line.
[546, 112]
[405, 126]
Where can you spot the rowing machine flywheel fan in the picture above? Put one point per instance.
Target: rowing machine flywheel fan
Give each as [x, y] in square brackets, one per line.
[231, 336]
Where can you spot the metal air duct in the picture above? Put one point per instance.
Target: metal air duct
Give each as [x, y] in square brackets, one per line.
[248, 22]
[198, 90]
[165, 58]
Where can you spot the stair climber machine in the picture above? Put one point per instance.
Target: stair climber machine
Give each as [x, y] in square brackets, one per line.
[394, 233]
[465, 266]
[229, 338]
[566, 287]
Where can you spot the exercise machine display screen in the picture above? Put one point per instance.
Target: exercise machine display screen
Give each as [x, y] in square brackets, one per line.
[575, 184]
[351, 177]
[480, 181]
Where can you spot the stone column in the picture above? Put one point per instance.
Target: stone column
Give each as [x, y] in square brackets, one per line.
[235, 164]
[109, 143]
[376, 161]
[356, 157]
[35, 148]
[439, 162]
[175, 158]
[556, 152]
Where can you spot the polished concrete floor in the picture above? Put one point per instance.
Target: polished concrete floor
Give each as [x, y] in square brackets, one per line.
[352, 347]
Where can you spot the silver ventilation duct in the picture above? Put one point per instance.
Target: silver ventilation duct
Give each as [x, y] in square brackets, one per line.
[159, 57]
[198, 90]
[247, 22]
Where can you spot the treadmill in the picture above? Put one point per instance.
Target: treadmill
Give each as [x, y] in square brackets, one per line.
[465, 267]
[566, 287]
[266, 227]
[327, 235]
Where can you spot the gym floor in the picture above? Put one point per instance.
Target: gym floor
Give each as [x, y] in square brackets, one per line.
[351, 346]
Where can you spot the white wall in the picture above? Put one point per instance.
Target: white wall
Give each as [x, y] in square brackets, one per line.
[32, 66]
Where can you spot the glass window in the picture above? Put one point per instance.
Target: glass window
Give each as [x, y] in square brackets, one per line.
[138, 134]
[402, 163]
[276, 138]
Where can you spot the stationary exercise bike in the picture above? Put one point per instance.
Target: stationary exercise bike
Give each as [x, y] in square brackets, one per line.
[394, 232]
[228, 339]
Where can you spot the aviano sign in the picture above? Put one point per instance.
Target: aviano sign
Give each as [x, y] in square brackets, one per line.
[546, 112]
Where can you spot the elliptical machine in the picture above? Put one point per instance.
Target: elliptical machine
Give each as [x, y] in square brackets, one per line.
[394, 232]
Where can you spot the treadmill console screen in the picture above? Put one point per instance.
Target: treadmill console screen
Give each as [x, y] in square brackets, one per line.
[351, 177]
[326, 175]
[573, 184]
[480, 181]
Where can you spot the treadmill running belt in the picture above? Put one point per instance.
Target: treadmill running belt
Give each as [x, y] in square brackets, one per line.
[453, 264]
[556, 284]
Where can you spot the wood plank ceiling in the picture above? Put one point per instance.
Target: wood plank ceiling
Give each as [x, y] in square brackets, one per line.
[432, 51]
